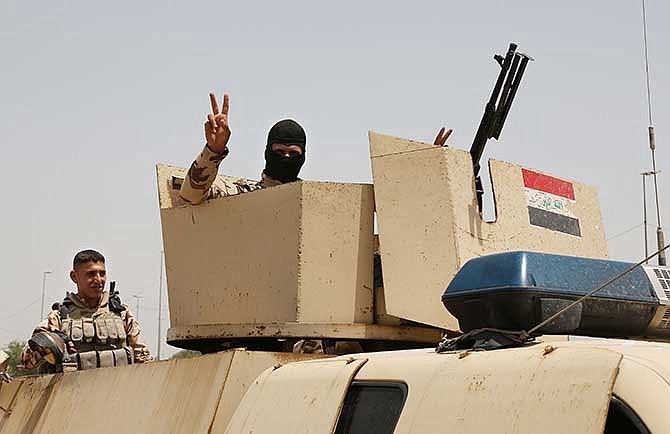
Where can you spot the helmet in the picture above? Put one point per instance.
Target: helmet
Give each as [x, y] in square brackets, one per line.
[51, 345]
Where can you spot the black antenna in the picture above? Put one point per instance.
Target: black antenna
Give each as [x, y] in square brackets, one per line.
[652, 142]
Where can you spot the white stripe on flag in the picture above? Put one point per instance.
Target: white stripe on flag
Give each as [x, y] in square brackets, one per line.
[548, 202]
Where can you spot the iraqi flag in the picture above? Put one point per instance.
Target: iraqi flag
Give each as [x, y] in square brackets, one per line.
[549, 201]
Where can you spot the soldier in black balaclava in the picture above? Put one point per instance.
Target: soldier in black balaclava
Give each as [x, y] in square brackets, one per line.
[284, 156]
[285, 151]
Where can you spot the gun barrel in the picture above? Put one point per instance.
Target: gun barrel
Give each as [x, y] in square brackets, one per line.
[512, 93]
[504, 96]
[503, 72]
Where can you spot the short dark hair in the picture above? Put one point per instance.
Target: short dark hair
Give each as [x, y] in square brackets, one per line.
[86, 256]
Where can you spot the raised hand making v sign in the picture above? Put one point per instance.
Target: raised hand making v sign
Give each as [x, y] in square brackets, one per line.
[217, 128]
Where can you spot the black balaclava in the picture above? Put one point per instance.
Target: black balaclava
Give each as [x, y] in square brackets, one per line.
[279, 167]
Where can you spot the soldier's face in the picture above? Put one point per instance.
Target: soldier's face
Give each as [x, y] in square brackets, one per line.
[90, 279]
[286, 150]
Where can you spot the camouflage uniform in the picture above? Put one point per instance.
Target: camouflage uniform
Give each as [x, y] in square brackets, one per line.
[201, 182]
[102, 322]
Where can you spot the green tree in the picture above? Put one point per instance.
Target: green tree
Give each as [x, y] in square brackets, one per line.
[185, 354]
[14, 366]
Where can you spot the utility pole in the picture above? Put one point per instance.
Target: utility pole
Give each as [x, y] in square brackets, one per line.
[137, 305]
[160, 306]
[44, 287]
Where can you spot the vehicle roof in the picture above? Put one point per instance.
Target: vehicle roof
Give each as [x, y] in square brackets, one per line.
[651, 351]
[578, 372]
[561, 383]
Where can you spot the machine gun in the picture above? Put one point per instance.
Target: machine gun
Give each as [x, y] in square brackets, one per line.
[512, 66]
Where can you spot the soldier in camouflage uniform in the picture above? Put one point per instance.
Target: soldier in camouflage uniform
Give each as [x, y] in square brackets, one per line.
[98, 330]
[284, 156]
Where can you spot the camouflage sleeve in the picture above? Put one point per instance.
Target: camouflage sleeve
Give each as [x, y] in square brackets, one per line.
[198, 183]
[135, 340]
[30, 358]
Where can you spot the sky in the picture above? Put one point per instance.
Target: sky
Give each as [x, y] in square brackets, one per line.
[93, 95]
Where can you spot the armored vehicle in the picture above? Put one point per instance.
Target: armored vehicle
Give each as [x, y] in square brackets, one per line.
[324, 290]
[522, 291]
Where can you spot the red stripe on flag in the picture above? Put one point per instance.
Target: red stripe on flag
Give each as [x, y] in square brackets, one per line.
[548, 184]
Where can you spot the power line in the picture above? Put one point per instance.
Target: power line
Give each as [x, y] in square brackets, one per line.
[21, 310]
[622, 233]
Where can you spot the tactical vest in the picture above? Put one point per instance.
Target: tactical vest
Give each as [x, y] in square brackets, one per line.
[98, 334]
